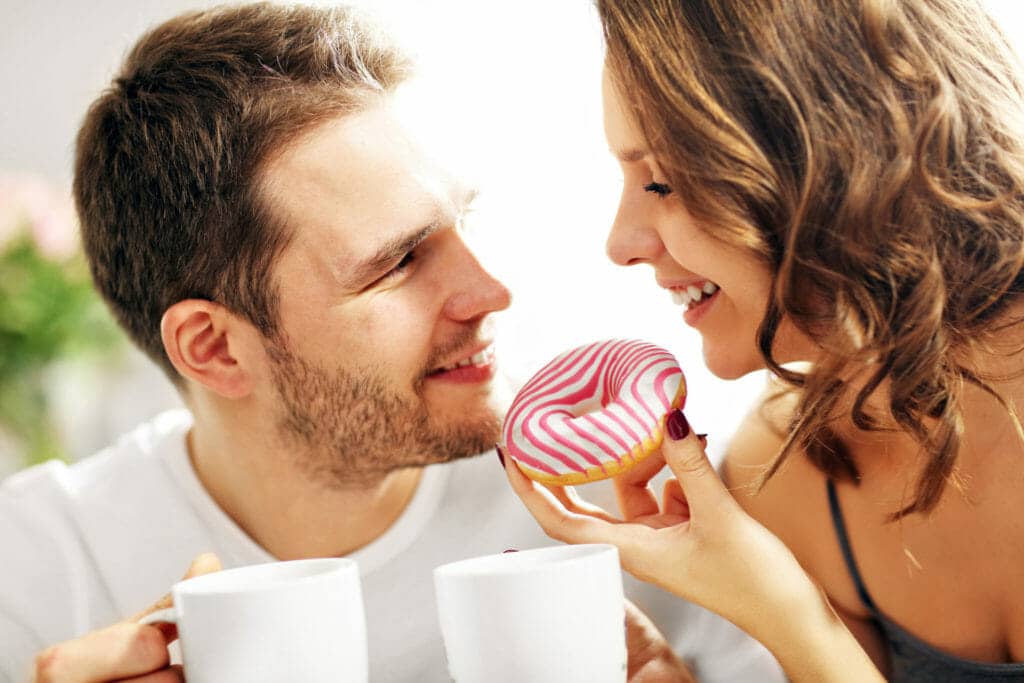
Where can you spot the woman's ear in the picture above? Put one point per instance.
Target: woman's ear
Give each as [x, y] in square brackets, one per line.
[209, 344]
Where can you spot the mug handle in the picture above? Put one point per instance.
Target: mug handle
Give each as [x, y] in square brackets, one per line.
[161, 616]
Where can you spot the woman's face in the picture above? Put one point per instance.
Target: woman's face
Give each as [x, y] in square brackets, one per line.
[722, 290]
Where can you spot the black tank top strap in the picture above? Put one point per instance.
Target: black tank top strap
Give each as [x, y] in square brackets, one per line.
[912, 660]
[844, 544]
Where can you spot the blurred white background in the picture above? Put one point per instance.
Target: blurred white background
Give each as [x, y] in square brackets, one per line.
[521, 83]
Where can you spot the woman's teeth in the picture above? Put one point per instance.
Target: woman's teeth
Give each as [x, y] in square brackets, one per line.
[693, 295]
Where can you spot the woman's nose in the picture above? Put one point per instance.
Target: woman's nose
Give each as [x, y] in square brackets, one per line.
[633, 238]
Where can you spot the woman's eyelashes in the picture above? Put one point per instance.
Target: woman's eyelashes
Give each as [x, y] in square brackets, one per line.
[660, 189]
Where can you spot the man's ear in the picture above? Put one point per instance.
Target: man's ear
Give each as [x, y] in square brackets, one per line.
[210, 345]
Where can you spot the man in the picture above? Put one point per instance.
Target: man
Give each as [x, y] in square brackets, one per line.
[268, 230]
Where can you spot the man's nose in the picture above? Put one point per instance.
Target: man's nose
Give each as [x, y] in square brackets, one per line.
[477, 293]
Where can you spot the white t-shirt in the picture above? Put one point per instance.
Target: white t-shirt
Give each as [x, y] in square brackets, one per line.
[85, 545]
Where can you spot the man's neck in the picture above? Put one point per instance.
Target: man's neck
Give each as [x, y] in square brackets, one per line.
[285, 512]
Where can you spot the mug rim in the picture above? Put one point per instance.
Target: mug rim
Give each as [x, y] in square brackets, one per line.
[501, 564]
[266, 575]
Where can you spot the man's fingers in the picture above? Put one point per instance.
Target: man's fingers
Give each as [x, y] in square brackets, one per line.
[207, 563]
[172, 674]
[202, 564]
[120, 651]
[163, 603]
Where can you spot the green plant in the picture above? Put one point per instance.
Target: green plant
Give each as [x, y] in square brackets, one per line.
[48, 309]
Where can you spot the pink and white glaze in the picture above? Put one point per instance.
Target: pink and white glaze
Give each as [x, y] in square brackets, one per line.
[593, 412]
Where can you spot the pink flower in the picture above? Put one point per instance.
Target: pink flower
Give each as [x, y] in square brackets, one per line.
[29, 201]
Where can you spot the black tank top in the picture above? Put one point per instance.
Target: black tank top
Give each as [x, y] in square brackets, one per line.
[910, 658]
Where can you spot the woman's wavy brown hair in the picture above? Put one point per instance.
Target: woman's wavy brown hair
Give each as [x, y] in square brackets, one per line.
[872, 153]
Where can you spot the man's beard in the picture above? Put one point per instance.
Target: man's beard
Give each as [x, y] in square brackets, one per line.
[350, 428]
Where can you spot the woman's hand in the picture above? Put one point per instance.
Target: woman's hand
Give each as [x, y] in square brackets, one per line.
[701, 545]
[697, 543]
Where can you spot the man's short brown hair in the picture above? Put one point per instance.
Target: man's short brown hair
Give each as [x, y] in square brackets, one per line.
[168, 159]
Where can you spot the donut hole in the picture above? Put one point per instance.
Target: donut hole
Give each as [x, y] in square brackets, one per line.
[587, 407]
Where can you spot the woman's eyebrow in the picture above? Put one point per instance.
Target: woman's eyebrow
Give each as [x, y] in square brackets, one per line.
[629, 156]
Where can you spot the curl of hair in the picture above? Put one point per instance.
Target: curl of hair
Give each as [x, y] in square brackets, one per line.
[871, 153]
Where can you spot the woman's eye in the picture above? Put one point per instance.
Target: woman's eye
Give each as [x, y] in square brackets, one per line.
[660, 189]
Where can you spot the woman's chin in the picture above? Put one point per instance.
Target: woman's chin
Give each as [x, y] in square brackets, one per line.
[729, 364]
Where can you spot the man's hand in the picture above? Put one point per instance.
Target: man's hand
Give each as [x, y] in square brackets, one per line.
[126, 651]
[651, 659]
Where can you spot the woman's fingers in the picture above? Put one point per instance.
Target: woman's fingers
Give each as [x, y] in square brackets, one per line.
[572, 502]
[565, 495]
[633, 491]
[557, 511]
[674, 501]
[684, 452]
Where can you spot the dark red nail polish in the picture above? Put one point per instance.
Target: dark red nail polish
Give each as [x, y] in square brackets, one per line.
[703, 437]
[510, 550]
[676, 425]
[501, 456]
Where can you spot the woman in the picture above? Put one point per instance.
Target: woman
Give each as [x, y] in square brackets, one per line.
[849, 174]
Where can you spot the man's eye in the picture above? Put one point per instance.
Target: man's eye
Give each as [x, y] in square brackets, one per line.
[401, 265]
[660, 189]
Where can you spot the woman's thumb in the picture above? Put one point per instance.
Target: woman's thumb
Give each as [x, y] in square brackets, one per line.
[685, 456]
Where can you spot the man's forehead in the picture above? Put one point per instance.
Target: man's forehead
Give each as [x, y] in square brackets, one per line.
[357, 188]
[361, 168]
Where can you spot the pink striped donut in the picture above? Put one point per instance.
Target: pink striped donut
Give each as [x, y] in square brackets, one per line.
[593, 412]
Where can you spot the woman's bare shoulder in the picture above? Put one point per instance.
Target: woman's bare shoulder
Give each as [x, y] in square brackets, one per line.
[790, 501]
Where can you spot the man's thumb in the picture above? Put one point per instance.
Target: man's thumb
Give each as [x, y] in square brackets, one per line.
[203, 564]
[685, 456]
[206, 563]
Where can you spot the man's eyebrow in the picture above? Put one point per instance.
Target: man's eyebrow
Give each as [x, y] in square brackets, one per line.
[387, 254]
[394, 249]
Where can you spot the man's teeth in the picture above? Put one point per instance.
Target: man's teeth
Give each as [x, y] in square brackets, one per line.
[476, 359]
[693, 295]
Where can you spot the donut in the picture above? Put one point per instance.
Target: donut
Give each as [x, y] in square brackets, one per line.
[593, 412]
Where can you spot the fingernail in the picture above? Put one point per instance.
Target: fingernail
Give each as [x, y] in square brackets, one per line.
[703, 438]
[510, 550]
[676, 425]
[501, 456]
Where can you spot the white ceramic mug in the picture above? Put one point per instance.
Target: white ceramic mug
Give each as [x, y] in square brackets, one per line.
[300, 620]
[547, 615]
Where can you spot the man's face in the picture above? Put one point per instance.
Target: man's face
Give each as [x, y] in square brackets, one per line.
[384, 358]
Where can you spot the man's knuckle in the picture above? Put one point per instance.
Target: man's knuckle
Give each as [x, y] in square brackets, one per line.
[48, 665]
[148, 644]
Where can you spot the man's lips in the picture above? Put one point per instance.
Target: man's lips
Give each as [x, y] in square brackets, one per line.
[474, 366]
